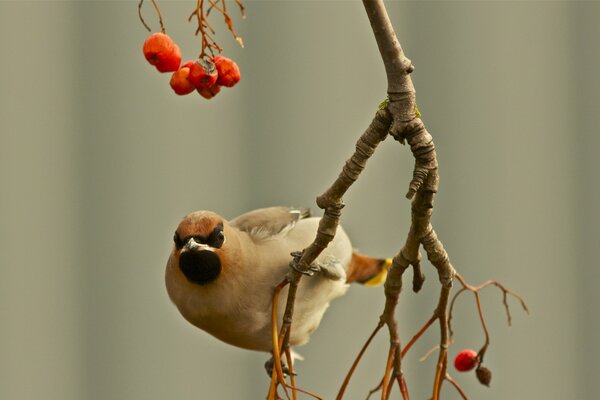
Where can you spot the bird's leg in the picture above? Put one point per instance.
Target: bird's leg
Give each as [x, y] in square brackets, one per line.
[287, 371]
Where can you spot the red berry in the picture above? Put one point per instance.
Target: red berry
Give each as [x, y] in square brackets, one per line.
[229, 72]
[180, 83]
[210, 92]
[203, 74]
[466, 360]
[162, 52]
[187, 64]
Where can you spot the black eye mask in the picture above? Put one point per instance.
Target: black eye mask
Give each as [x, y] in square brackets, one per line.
[215, 239]
[200, 267]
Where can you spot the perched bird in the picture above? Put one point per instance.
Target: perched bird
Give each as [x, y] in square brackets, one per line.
[221, 274]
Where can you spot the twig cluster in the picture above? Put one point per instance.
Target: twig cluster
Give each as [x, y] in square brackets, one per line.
[200, 14]
[206, 31]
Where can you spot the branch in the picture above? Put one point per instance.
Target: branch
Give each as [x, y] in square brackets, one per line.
[406, 125]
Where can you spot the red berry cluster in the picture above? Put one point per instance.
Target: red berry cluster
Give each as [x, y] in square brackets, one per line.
[203, 74]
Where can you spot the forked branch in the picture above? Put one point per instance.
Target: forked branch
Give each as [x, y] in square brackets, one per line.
[400, 118]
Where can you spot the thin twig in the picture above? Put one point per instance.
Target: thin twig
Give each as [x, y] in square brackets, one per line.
[162, 26]
[457, 387]
[140, 15]
[290, 363]
[356, 361]
[375, 390]
[403, 387]
[388, 370]
[429, 353]
[418, 335]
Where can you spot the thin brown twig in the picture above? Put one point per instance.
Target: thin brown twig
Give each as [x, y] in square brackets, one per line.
[476, 292]
[429, 353]
[356, 361]
[216, 7]
[204, 26]
[290, 363]
[418, 335]
[242, 8]
[388, 393]
[443, 356]
[307, 392]
[403, 387]
[140, 15]
[375, 390]
[162, 26]
[388, 370]
[456, 386]
[277, 374]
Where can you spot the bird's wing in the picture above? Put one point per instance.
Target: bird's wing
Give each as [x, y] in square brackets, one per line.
[265, 223]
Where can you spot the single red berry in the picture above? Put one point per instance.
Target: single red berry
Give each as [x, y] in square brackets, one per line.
[172, 62]
[210, 92]
[203, 74]
[229, 72]
[466, 360]
[187, 64]
[180, 83]
[162, 52]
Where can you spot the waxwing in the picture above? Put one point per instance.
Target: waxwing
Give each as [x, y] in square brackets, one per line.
[221, 274]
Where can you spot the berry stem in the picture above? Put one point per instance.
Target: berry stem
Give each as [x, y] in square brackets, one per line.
[162, 26]
[140, 15]
[457, 387]
[160, 20]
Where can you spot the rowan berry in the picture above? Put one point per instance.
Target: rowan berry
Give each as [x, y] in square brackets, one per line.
[160, 51]
[228, 70]
[210, 92]
[203, 73]
[180, 83]
[466, 360]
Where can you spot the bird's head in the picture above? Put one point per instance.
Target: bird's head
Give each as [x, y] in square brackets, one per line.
[199, 245]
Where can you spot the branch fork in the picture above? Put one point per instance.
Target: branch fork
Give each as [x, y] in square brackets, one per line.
[399, 118]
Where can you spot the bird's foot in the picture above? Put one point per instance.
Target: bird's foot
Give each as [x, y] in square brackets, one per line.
[312, 269]
[270, 364]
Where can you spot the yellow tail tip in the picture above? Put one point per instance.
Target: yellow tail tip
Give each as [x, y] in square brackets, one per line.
[379, 279]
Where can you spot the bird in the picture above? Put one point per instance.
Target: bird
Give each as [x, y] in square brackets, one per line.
[221, 275]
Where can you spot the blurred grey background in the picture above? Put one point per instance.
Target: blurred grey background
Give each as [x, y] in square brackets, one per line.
[99, 161]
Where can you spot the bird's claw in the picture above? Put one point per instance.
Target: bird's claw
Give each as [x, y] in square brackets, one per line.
[312, 268]
[270, 364]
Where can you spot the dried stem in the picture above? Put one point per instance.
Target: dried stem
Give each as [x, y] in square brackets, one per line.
[456, 386]
[476, 291]
[205, 30]
[355, 364]
[162, 26]
[375, 390]
[290, 363]
[140, 15]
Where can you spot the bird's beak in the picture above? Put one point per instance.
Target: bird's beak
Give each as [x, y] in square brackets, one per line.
[192, 245]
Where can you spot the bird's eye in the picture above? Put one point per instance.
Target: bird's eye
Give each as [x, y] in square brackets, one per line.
[217, 238]
[177, 240]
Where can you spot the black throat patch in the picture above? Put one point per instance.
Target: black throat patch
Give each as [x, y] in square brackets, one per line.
[200, 267]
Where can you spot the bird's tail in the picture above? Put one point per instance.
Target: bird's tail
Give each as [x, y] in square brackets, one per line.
[367, 270]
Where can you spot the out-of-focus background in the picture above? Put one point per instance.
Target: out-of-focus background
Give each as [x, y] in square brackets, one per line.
[99, 160]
